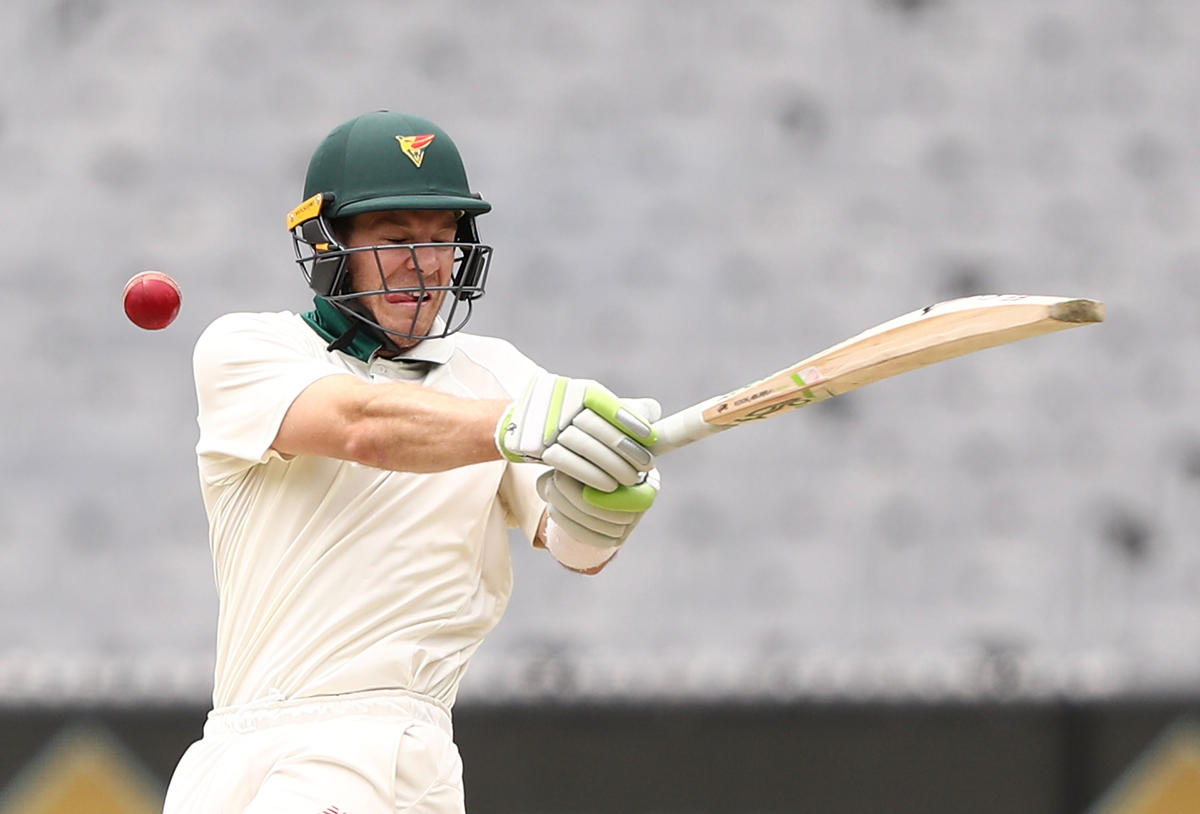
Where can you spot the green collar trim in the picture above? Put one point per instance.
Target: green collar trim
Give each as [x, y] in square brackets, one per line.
[330, 323]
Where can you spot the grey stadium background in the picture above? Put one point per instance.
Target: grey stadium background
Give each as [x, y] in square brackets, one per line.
[687, 195]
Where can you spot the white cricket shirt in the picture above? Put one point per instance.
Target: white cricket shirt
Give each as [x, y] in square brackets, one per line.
[333, 576]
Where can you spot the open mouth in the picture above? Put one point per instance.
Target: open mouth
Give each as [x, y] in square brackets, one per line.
[410, 297]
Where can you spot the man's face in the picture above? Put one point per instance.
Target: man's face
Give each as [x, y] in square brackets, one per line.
[398, 268]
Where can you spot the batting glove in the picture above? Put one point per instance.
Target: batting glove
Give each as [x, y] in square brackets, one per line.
[580, 428]
[579, 534]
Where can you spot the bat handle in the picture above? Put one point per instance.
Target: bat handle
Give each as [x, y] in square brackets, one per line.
[682, 428]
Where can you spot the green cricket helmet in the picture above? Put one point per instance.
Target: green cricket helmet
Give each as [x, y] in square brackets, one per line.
[385, 161]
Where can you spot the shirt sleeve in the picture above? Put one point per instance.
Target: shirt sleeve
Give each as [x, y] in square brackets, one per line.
[249, 368]
[507, 371]
[518, 492]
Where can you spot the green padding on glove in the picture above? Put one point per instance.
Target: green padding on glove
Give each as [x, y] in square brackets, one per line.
[609, 407]
[623, 498]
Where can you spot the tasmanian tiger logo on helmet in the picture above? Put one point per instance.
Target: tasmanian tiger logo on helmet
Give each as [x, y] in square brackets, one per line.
[414, 146]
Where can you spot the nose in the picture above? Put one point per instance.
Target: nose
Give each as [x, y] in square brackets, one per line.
[430, 260]
[426, 257]
[435, 262]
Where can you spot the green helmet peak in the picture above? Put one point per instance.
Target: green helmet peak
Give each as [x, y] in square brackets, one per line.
[385, 160]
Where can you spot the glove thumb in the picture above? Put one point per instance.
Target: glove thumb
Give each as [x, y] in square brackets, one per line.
[545, 484]
[648, 409]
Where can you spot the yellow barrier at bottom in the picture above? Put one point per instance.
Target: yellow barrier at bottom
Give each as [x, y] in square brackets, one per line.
[83, 771]
[1164, 781]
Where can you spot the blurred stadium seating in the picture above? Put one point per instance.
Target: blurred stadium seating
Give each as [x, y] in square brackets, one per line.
[712, 190]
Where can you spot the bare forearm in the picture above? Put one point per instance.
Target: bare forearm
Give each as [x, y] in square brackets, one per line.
[399, 426]
[424, 430]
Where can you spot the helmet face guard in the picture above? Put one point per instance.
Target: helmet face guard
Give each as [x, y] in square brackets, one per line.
[325, 263]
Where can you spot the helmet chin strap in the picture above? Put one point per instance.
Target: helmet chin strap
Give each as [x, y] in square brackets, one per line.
[348, 336]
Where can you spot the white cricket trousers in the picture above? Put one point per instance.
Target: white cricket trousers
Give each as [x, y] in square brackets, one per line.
[375, 752]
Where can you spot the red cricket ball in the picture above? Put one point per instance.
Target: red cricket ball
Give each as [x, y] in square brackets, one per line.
[152, 300]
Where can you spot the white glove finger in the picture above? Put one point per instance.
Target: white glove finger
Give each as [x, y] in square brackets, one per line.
[595, 452]
[648, 409]
[572, 403]
[562, 488]
[614, 530]
[633, 452]
[582, 533]
[579, 468]
[566, 494]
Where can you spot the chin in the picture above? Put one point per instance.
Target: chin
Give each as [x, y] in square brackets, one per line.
[399, 318]
[420, 332]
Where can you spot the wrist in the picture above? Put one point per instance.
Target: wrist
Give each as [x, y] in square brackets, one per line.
[504, 426]
[572, 553]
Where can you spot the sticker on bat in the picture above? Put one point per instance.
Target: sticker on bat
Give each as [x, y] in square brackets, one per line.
[806, 379]
[768, 410]
[755, 396]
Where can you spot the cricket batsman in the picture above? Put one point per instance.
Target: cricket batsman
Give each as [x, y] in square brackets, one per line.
[360, 466]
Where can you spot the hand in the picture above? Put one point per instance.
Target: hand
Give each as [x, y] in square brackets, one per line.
[603, 529]
[580, 428]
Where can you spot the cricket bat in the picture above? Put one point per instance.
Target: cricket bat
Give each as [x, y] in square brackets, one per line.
[933, 334]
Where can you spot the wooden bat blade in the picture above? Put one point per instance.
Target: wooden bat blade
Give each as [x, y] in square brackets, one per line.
[934, 334]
